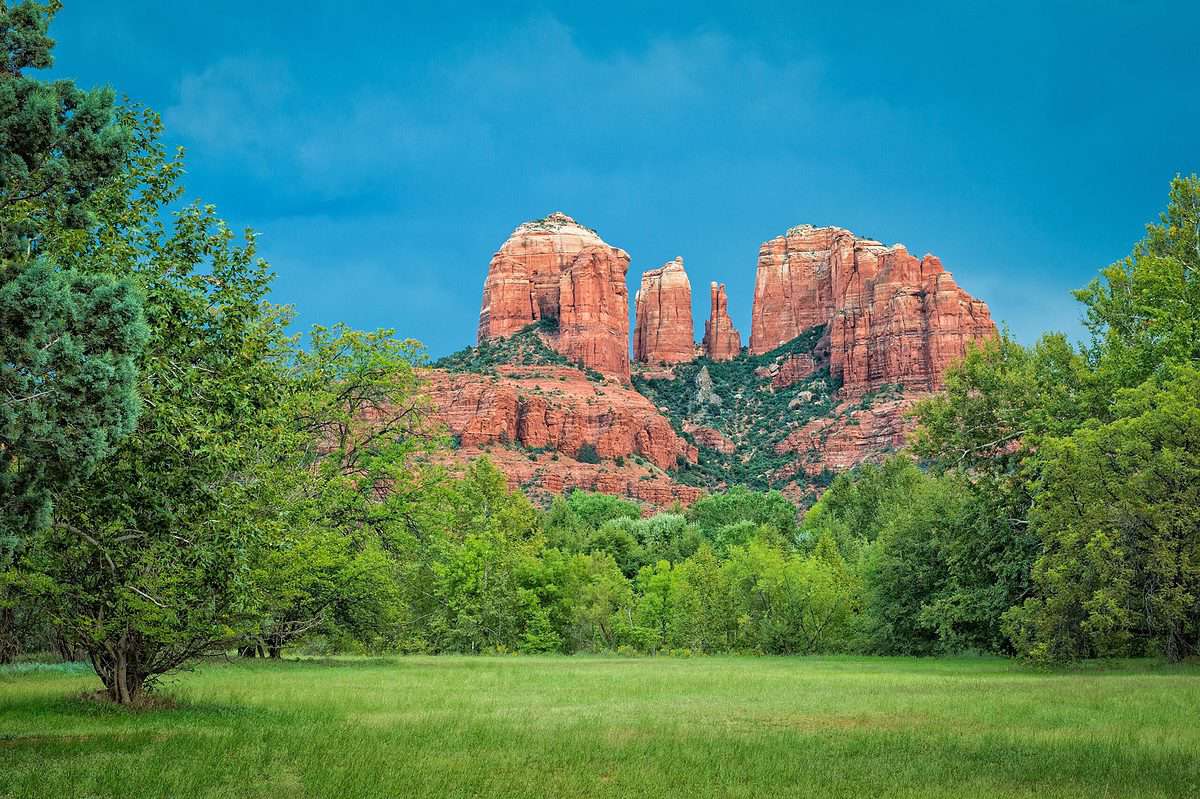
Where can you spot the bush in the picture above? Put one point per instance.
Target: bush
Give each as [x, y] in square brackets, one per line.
[588, 454]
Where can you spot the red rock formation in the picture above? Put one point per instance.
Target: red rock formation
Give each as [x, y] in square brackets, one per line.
[794, 286]
[849, 436]
[892, 319]
[593, 322]
[722, 341]
[789, 370]
[912, 323]
[554, 408]
[663, 331]
[555, 268]
[708, 437]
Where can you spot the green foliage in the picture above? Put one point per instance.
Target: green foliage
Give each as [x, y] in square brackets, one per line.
[587, 454]
[483, 598]
[854, 509]
[939, 561]
[68, 347]
[999, 400]
[68, 340]
[525, 348]
[593, 509]
[729, 397]
[1072, 518]
[732, 517]
[148, 556]
[1144, 312]
[58, 143]
[787, 603]
[1118, 507]
[357, 421]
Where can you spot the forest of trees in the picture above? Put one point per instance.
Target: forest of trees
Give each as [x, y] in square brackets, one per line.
[180, 476]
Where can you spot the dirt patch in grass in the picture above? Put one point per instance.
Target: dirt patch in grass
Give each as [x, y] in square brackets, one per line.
[150, 700]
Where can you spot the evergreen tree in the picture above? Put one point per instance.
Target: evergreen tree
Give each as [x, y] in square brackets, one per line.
[67, 340]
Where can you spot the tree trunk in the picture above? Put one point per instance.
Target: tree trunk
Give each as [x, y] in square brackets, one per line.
[68, 651]
[117, 665]
[8, 639]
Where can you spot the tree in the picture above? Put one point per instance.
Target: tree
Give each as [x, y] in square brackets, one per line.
[594, 509]
[981, 437]
[1144, 311]
[360, 423]
[482, 574]
[1118, 507]
[68, 344]
[703, 618]
[666, 536]
[714, 512]
[998, 400]
[68, 340]
[617, 538]
[787, 603]
[147, 562]
[655, 607]
[853, 510]
[603, 603]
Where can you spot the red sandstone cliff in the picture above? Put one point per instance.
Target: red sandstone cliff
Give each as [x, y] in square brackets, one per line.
[892, 319]
[663, 331]
[554, 408]
[555, 268]
[722, 341]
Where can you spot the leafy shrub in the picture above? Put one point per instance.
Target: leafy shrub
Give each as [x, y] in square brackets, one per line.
[525, 348]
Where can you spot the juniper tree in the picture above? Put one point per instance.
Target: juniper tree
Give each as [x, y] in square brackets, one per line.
[68, 338]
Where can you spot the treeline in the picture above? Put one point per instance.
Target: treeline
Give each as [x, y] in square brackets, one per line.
[180, 476]
[1058, 516]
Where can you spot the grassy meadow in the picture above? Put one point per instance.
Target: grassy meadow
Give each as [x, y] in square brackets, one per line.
[610, 727]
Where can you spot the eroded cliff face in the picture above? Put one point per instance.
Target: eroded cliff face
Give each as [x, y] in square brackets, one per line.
[555, 409]
[892, 319]
[722, 341]
[663, 331]
[847, 334]
[556, 269]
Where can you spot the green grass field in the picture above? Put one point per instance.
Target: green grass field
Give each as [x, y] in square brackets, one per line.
[611, 727]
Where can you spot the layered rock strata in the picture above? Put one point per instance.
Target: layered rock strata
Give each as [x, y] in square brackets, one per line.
[722, 341]
[557, 270]
[891, 319]
[663, 331]
[554, 409]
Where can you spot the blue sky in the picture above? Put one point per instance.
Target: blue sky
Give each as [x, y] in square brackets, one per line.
[385, 152]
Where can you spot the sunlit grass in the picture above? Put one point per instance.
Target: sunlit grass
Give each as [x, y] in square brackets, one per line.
[781, 727]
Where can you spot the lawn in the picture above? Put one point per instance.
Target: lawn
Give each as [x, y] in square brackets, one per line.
[611, 727]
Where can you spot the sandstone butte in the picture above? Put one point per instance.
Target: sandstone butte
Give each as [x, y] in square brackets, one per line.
[891, 319]
[663, 331]
[722, 341]
[556, 269]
